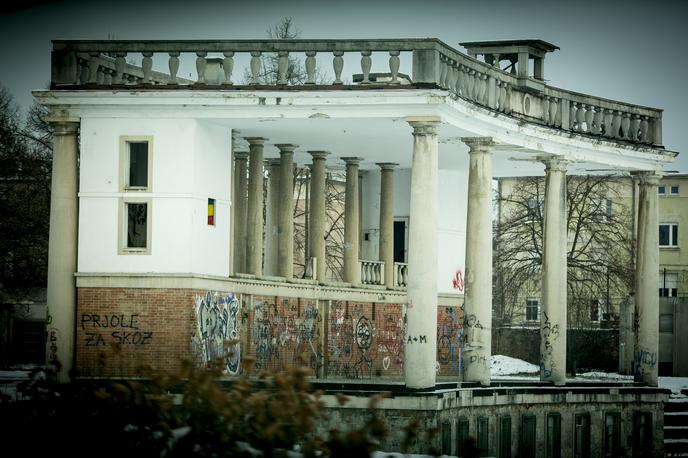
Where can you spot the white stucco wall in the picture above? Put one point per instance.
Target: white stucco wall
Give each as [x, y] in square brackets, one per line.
[451, 218]
[190, 163]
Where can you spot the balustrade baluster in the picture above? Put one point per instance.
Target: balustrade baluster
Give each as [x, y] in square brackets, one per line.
[597, 120]
[626, 126]
[282, 66]
[580, 117]
[608, 121]
[635, 127]
[553, 110]
[338, 65]
[501, 95]
[573, 109]
[394, 66]
[93, 64]
[616, 124]
[589, 115]
[366, 63]
[147, 66]
[483, 89]
[108, 76]
[120, 63]
[255, 67]
[201, 64]
[644, 129]
[228, 66]
[471, 85]
[83, 71]
[545, 109]
[100, 78]
[310, 67]
[173, 65]
[443, 71]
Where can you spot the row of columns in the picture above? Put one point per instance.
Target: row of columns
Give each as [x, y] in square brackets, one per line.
[421, 316]
[279, 233]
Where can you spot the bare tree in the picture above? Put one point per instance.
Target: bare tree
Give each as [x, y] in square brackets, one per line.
[600, 247]
[25, 167]
[296, 73]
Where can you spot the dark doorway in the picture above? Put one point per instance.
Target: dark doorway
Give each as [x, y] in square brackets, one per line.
[399, 241]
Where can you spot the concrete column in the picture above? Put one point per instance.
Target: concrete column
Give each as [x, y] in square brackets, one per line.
[272, 216]
[553, 301]
[645, 357]
[285, 233]
[317, 213]
[254, 220]
[240, 210]
[478, 294]
[62, 250]
[387, 220]
[352, 271]
[420, 346]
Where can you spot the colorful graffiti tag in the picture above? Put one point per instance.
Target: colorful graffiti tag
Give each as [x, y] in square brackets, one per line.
[217, 318]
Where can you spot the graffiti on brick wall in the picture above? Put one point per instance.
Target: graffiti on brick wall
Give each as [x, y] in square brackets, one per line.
[365, 341]
[450, 327]
[285, 333]
[116, 328]
[217, 318]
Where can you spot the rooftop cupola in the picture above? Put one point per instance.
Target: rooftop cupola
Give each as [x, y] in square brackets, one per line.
[517, 53]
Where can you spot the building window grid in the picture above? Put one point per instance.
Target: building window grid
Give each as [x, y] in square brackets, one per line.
[136, 154]
[532, 309]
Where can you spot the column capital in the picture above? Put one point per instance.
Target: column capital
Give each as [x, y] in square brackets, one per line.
[351, 160]
[386, 165]
[286, 147]
[424, 125]
[478, 144]
[240, 155]
[647, 177]
[556, 163]
[319, 154]
[63, 125]
[255, 140]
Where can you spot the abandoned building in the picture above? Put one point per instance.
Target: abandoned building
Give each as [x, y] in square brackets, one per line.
[163, 247]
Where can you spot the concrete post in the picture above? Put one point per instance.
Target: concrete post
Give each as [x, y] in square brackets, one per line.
[271, 217]
[317, 217]
[352, 271]
[645, 357]
[240, 210]
[478, 293]
[285, 246]
[387, 220]
[420, 346]
[553, 303]
[254, 224]
[62, 250]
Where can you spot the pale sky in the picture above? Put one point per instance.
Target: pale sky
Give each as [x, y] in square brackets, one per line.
[632, 51]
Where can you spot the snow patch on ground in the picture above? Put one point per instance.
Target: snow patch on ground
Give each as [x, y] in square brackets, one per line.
[506, 365]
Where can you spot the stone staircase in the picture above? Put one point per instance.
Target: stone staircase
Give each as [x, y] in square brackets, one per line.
[676, 427]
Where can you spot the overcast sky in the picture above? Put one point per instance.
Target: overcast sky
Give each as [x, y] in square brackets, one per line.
[633, 51]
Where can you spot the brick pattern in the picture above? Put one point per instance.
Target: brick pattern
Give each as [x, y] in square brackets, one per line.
[120, 329]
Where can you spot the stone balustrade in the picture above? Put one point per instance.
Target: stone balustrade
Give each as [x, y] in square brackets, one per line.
[400, 274]
[433, 64]
[372, 272]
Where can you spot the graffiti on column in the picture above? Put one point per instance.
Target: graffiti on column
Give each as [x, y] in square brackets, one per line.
[217, 317]
[644, 362]
[53, 339]
[548, 333]
[449, 334]
[472, 342]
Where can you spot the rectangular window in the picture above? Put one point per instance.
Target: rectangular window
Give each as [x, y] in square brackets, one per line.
[532, 309]
[211, 212]
[462, 433]
[612, 435]
[483, 446]
[674, 189]
[534, 209]
[581, 445]
[661, 190]
[595, 308]
[136, 156]
[505, 437]
[642, 434]
[668, 284]
[553, 443]
[528, 435]
[135, 227]
[668, 234]
[602, 211]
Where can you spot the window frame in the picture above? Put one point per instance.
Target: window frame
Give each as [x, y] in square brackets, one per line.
[123, 221]
[673, 243]
[671, 190]
[528, 306]
[661, 190]
[124, 141]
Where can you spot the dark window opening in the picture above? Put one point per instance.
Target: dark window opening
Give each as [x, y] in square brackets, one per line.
[137, 225]
[138, 165]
